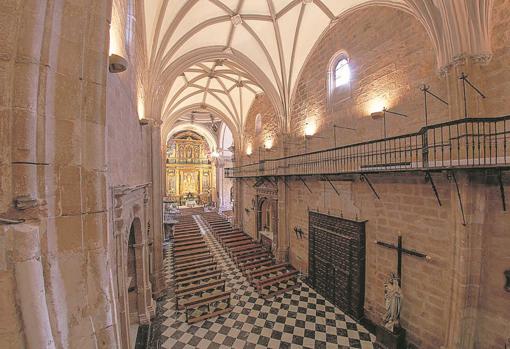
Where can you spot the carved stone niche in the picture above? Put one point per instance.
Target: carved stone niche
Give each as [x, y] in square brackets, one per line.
[131, 216]
[507, 283]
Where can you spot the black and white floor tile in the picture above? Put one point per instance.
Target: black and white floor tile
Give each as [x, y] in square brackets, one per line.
[299, 318]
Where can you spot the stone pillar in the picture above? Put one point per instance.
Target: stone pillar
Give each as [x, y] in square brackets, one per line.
[282, 253]
[220, 165]
[158, 169]
[467, 239]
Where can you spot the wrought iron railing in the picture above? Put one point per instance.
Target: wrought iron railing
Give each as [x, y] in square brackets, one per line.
[463, 143]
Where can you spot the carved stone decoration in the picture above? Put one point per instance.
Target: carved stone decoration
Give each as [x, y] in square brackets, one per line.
[131, 207]
[443, 19]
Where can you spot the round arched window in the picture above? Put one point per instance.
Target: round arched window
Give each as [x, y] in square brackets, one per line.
[342, 72]
[258, 124]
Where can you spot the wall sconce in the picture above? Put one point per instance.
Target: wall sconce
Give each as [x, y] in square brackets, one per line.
[382, 114]
[249, 150]
[310, 129]
[377, 115]
[299, 232]
[143, 121]
[117, 64]
[268, 143]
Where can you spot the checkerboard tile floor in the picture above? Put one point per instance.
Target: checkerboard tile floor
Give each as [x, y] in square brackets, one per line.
[299, 318]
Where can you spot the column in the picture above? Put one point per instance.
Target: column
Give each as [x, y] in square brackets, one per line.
[158, 168]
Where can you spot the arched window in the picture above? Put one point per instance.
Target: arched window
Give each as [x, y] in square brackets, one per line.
[339, 79]
[258, 124]
[342, 73]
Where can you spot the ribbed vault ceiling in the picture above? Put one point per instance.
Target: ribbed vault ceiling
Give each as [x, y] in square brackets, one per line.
[215, 83]
[276, 36]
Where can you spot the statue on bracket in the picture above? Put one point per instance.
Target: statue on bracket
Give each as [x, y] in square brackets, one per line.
[392, 301]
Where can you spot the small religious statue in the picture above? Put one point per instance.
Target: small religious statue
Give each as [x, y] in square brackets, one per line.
[392, 300]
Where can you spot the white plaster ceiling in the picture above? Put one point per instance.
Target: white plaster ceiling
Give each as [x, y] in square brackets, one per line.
[276, 36]
[215, 83]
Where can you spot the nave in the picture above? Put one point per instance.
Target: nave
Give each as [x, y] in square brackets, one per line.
[296, 318]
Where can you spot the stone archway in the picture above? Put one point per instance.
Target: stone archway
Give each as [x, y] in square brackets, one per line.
[135, 271]
[267, 222]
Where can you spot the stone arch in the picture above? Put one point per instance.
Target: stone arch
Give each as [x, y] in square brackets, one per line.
[385, 3]
[170, 73]
[169, 121]
[209, 137]
[135, 269]
[267, 220]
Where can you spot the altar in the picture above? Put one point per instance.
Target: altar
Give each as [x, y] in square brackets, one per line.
[190, 173]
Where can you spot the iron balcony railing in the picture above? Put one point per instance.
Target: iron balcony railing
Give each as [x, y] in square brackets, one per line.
[463, 143]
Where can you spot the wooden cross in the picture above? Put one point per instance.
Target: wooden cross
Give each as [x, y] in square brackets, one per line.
[400, 249]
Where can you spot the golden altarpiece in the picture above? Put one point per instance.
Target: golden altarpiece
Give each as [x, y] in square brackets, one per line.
[190, 173]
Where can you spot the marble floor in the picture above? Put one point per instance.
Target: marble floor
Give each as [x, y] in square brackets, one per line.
[299, 318]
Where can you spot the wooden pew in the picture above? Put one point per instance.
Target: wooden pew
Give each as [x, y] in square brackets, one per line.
[264, 271]
[186, 279]
[249, 252]
[253, 257]
[192, 258]
[206, 302]
[246, 267]
[191, 252]
[190, 247]
[276, 280]
[187, 242]
[213, 275]
[195, 269]
[184, 265]
[232, 245]
[233, 250]
[236, 238]
[186, 233]
[184, 295]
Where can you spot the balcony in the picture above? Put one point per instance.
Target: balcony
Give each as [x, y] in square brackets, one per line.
[470, 143]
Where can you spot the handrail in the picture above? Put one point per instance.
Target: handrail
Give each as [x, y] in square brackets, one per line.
[464, 142]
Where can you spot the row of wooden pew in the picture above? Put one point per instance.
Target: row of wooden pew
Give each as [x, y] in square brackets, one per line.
[256, 263]
[199, 285]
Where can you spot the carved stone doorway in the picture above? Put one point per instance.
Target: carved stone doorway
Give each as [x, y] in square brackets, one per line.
[267, 223]
[267, 214]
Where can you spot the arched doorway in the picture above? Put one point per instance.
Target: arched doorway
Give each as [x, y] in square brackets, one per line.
[267, 223]
[131, 271]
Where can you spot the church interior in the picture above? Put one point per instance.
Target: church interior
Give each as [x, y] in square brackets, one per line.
[255, 174]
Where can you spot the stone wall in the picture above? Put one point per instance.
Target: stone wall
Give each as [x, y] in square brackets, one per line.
[269, 130]
[71, 132]
[456, 299]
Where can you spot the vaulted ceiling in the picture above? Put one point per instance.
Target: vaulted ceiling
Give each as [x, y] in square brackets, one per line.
[219, 53]
[217, 84]
[275, 35]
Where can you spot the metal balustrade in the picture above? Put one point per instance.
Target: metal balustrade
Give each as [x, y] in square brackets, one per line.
[460, 144]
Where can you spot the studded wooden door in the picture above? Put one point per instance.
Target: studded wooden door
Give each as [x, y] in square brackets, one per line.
[337, 261]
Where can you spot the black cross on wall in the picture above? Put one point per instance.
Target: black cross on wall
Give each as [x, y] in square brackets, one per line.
[400, 250]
